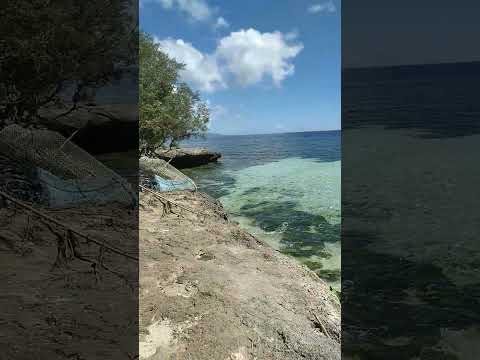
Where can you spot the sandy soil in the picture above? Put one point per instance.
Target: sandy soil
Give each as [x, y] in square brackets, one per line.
[67, 311]
[209, 290]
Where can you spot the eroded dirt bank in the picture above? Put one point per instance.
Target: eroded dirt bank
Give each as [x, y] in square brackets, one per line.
[209, 290]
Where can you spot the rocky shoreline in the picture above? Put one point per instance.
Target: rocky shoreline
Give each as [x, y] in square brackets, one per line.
[209, 290]
[188, 157]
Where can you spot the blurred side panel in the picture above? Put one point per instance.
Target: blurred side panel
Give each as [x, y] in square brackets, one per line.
[411, 131]
[68, 179]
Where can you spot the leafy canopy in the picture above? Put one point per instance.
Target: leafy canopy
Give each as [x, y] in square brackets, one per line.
[169, 110]
[48, 45]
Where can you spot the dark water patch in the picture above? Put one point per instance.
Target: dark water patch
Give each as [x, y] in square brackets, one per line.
[301, 226]
[299, 250]
[328, 274]
[252, 206]
[313, 265]
[386, 283]
[303, 234]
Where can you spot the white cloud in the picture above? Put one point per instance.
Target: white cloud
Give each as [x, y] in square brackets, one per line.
[246, 56]
[221, 23]
[196, 9]
[252, 56]
[200, 70]
[326, 7]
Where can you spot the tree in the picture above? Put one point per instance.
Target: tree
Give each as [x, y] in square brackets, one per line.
[169, 110]
[49, 45]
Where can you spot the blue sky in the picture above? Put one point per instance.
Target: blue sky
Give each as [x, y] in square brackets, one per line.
[263, 66]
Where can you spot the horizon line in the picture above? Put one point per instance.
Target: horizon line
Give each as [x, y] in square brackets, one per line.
[273, 133]
[389, 66]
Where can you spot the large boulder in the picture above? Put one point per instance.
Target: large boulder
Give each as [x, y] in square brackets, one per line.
[188, 157]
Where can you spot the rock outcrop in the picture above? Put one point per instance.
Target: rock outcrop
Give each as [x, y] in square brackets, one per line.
[188, 157]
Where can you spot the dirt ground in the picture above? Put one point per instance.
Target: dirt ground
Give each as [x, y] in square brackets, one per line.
[55, 309]
[209, 290]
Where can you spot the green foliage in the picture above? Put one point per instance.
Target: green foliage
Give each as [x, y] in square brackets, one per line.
[169, 110]
[47, 45]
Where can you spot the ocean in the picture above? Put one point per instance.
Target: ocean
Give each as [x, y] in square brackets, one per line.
[282, 188]
[410, 249]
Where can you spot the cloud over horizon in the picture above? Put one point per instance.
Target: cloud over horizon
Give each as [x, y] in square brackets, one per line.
[201, 70]
[246, 57]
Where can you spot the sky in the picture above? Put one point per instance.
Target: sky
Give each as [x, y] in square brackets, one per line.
[409, 32]
[262, 66]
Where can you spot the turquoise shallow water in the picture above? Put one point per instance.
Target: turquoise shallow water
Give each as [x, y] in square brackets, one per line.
[285, 189]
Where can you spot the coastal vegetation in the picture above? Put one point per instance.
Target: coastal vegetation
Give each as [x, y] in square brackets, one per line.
[50, 49]
[169, 110]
